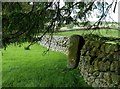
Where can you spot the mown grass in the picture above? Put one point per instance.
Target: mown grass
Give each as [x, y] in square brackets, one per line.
[100, 32]
[29, 68]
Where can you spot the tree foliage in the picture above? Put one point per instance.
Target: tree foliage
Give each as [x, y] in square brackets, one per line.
[22, 21]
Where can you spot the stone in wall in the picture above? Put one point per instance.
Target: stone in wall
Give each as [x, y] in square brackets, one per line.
[76, 43]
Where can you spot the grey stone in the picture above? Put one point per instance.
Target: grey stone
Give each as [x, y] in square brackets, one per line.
[91, 79]
[97, 81]
[91, 69]
[96, 73]
[95, 85]
[107, 77]
[101, 75]
[105, 85]
[89, 83]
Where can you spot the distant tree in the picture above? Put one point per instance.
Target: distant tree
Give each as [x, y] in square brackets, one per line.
[23, 21]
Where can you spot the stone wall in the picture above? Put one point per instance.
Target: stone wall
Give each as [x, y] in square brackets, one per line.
[99, 61]
[57, 43]
[100, 64]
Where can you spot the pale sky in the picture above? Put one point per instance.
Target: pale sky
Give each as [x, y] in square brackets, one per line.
[114, 16]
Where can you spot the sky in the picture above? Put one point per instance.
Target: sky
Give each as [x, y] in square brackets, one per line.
[111, 17]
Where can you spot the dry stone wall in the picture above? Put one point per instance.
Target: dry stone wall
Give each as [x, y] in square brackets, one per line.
[57, 43]
[100, 64]
[99, 61]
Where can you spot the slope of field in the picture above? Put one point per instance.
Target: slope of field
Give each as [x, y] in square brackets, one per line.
[29, 68]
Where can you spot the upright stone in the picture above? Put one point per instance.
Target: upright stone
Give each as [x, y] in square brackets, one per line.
[76, 43]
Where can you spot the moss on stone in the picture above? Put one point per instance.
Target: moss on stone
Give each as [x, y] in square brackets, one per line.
[109, 56]
[87, 53]
[115, 67]
[88, 60]
[76, 44]
[114, 47]
[91, 69]
[84, 48]
[93, 51]
[83, 52]
[87, 42]
[96, 68]
[97, 44]
[82, 58]
[107, 77]
[101, 55]
[87, 45]
[96, 73]
[91, 43]
[104, 66]
[98, 52]
[104, 59]
[116, 56]
[115, 78]
[102, 48]
[107, 48]
[107, 66]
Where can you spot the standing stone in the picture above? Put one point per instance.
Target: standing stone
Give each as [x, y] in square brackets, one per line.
[76, 43]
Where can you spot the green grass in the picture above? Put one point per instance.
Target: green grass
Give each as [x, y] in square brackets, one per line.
[101, 32]
[0, 68]
[29, 68]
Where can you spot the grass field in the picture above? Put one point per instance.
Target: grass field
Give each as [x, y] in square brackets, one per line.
[101, 32]
[29, 68]
[0, 68]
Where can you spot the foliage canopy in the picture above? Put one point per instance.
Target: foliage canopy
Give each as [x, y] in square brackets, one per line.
[23, 21]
